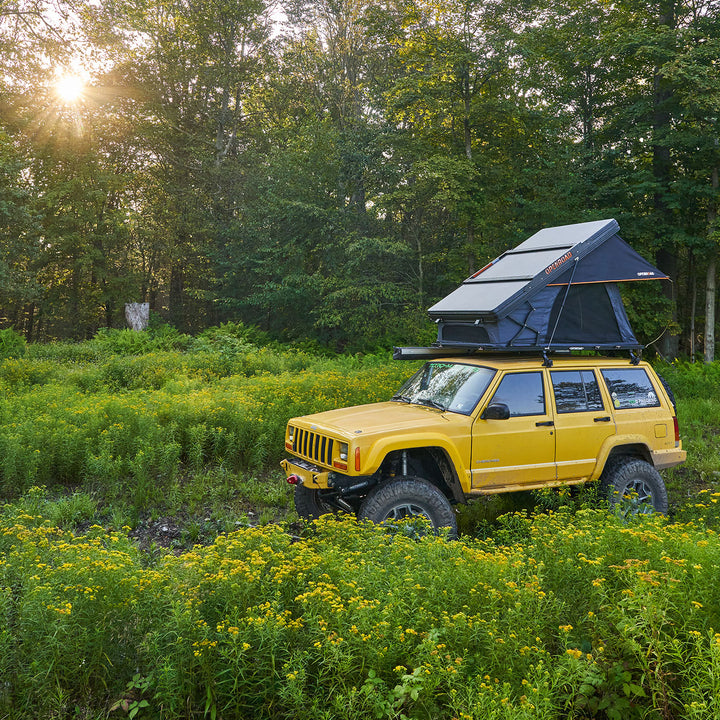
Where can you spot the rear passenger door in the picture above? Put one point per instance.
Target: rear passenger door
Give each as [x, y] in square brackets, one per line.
[582, 422]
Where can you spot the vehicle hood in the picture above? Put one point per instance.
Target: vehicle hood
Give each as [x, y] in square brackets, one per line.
[376, 419]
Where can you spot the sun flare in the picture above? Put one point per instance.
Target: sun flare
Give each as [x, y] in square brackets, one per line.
[70, 88]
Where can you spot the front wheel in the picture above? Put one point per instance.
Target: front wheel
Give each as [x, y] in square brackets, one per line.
[634, 487]
[406, 498]
[309, 503]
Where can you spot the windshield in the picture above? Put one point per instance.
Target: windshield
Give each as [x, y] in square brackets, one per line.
[446, 386]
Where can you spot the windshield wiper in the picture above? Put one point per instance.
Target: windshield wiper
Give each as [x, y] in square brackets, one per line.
[431, 403]
[402, 398]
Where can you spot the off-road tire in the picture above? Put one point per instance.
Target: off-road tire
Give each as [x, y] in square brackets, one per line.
[624, 476]
[309, 504]
[408, 497]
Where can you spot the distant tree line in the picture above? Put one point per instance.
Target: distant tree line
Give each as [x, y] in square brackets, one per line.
[327, 170]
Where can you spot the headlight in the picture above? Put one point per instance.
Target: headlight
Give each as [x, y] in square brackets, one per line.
[344, 451]
[291, 434]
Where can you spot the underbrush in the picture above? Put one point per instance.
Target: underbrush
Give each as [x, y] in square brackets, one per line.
[134, 424]
[155, 423]
[588, 616]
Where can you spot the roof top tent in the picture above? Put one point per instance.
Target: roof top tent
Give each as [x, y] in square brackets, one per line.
[557, 291]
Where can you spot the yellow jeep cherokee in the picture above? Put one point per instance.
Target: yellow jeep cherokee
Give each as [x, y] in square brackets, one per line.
[463, 427]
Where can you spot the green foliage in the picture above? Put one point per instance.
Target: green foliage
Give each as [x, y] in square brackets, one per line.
[330, 188]
[229, 338]
[697, 390]
[67, 512]
[12, 344]
[692, 381]
[131, 342]
[571, 612]
[23, 372]
[588, 616]
[133, 423]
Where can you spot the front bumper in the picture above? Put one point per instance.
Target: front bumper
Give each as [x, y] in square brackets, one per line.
[311, 476]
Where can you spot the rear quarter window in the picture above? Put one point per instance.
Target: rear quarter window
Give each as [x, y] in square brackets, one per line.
[630, 388]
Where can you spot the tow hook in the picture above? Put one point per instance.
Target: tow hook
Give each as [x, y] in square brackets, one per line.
[294, 479]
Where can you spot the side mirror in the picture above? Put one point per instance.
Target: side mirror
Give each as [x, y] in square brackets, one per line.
[496, 411]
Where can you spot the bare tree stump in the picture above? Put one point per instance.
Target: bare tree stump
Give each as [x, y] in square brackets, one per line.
[137, 315]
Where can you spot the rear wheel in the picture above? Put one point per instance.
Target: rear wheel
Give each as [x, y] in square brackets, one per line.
[406, 498]
[634, 486]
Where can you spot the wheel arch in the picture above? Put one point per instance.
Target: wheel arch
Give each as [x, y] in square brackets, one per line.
[629, 450]
[431, 463]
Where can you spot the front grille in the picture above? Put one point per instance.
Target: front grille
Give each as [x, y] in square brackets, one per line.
[313, 446]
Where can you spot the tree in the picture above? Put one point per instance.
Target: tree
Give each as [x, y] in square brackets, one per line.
[19, 243]
[187, 73]
[693, 73]
[611, 65]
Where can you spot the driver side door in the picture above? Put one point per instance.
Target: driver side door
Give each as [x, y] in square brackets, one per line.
[519, 450]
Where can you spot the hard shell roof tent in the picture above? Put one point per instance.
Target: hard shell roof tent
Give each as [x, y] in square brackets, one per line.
[555, 291]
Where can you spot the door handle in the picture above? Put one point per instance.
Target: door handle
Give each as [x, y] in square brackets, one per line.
[546, 423]
[607, 418]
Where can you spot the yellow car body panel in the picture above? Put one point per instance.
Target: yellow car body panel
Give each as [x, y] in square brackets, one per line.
[550, 443]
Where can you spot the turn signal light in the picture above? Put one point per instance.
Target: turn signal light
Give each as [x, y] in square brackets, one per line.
[357, 459]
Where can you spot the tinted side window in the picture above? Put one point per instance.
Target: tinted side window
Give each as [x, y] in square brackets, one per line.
[523, 393]
[576, 391]
[630, 388]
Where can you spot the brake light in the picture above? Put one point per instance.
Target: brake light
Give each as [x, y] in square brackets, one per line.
[357, 459]
[677, 429]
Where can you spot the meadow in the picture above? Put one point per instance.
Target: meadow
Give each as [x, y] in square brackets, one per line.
[550, 607]
[161, 424]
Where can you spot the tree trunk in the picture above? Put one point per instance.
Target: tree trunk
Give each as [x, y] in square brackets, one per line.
[176, 297]
[30, 325]
[421, 271]
[710, 312]
[710, 287]
[666, 257]
[693, 307]
[467, 101]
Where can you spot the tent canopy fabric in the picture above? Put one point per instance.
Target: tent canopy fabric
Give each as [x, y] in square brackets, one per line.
[556, 290]
[590, 252]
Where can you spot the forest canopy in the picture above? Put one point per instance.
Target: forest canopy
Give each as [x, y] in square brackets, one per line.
[327, 170]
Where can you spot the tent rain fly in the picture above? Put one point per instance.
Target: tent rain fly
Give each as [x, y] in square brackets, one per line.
[555, 291]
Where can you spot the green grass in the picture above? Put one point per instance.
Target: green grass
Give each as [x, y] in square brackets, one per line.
[141, 428]
[117, 456]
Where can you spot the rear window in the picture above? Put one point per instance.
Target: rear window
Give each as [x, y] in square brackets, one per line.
[630, 388]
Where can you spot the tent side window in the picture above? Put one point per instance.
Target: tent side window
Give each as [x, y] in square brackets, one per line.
[587, 315]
